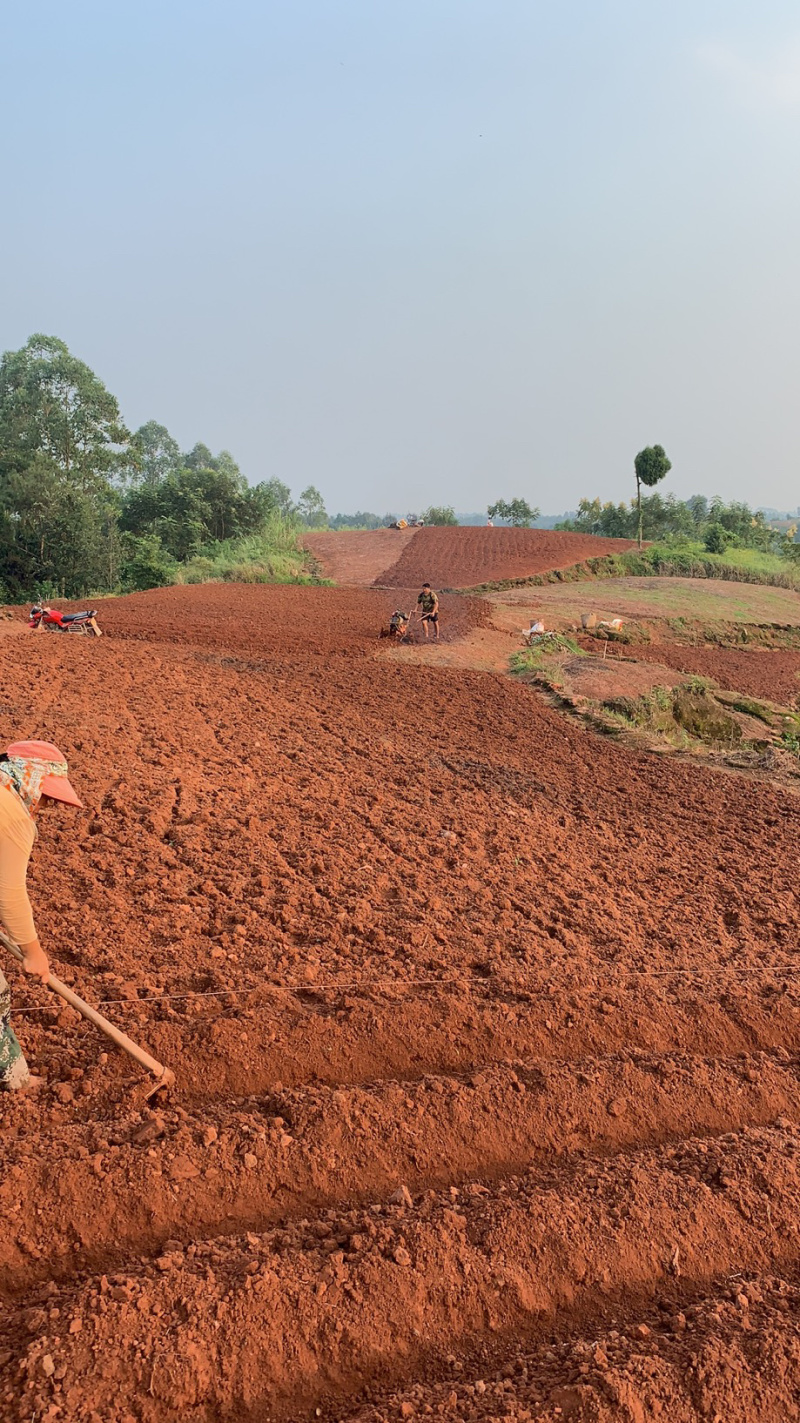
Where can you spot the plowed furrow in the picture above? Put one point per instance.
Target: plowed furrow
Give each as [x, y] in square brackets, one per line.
[266, 1326]
[359, 1040]
[732, 1355]
[177, 1175]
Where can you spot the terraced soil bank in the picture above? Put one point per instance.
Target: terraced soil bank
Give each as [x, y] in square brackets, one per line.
[452, 557]
[486, 1035]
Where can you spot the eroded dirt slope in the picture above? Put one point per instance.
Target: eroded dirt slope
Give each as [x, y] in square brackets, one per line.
[477, 1020]
[358, 556]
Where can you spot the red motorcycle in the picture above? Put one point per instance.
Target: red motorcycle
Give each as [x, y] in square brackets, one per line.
[51, 620]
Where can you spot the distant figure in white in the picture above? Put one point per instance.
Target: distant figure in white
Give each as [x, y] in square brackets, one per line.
[490, 523]
[536, 629]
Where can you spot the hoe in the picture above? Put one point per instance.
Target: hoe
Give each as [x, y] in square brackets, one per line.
[164, 1075]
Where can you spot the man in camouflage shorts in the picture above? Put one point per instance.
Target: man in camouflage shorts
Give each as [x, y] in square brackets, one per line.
[428, 607]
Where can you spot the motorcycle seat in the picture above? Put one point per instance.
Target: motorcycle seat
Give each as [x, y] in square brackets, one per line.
[76, 617]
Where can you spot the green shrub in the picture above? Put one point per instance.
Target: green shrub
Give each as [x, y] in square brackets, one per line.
[439, 515]
[146, 564]
[273, 556]
[717, 539]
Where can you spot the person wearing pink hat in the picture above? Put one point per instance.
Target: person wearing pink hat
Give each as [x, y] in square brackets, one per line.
[30, 772]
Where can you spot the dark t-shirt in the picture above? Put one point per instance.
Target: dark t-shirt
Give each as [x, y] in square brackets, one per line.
[428, 602]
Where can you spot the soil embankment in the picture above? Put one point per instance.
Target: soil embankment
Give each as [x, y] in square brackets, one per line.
[460, 557]
[465, 557]
[772, 674]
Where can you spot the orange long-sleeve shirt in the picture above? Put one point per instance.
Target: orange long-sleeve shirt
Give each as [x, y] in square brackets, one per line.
[17, 834]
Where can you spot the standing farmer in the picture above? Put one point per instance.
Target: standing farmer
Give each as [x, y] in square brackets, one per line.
[30, 771]
[428, 604]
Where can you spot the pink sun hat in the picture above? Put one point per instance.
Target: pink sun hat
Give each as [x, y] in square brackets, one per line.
[54, 782]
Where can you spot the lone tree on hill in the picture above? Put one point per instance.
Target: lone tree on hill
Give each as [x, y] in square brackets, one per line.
[651, 465]
[517, 511]
[311, 508]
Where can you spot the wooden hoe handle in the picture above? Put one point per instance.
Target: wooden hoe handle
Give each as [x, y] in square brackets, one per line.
[165, 1075]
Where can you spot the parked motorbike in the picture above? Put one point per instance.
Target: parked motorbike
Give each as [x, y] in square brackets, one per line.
[51, 620]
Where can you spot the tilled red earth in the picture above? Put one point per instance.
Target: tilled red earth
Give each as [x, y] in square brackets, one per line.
[485, 1030]
[465, 557]
[773, 675]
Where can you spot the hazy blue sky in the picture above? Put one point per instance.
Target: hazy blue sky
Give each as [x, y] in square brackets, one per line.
[420, 250]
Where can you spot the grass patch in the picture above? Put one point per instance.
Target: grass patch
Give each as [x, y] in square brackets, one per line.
[652, 711]
[691, 560]
[748, 707]
[532, 659]
[273, 556]
[698, 685]
[743, 565]
[679, 714]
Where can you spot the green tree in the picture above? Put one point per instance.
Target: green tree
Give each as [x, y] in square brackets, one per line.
[152, 454]
[651, 465]
[611, 521]
[52, 405]
[717, 538]
[698, 508]
[439, 515]
[517, 511]
[266, 500]
[175, 511]
[362, 519]
[146, 564]
[311, 508]
[199, 457]
[62, 440]
[746, 527]
[224, 492]
[200, 504]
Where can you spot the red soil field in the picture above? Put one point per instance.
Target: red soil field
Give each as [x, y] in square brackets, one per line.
[485, 1031]
[465, 557]
[250, 618]
[358, 556]
[773, 675]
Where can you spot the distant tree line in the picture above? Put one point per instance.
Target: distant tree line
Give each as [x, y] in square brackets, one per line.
[435, 514]
[713, 522]
[86, 505]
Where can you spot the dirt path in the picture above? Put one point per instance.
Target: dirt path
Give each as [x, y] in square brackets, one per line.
[358, 557]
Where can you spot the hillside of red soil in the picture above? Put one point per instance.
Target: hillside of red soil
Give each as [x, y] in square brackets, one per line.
[358, 556]
[486, 1035]
[773, 675]
[465, 557]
